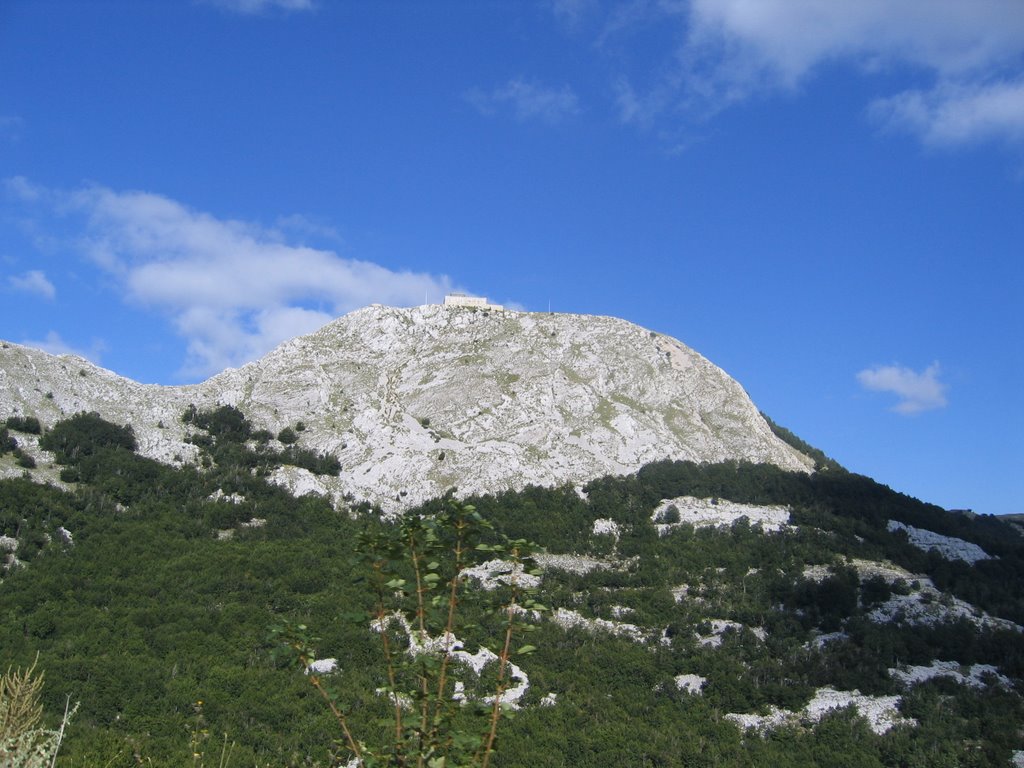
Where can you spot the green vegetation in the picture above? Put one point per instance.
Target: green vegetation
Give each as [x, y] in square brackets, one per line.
[229, 440]
[158, 616]
[28, 424]
[416, 574]
[7, 443]
[85, 435]
[225, 423]
[821, 461]
[23, 459]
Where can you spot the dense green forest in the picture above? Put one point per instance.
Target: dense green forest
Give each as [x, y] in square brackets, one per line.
[152, 593]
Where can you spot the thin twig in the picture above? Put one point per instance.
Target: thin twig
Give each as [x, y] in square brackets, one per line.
[392, 679]
[339, 716]
[421, 621]
[226, 758]
[453, 601]
[502, 666]
[60, 733]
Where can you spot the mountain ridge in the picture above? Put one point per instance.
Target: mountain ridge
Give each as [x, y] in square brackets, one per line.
[416, 401]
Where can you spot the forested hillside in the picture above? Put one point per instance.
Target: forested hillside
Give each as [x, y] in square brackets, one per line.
[687, 609]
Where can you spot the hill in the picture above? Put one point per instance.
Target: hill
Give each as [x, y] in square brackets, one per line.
[415, 401]
[729, 611]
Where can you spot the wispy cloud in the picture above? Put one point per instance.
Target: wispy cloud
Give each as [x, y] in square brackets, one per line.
[570, 13]
[55, 345]
[233, 289]
[303, 226]
[527, 101]
[255, 7]
[917, 392]
[22, 189]
[966, 54]
[958, 113]
[33, 281]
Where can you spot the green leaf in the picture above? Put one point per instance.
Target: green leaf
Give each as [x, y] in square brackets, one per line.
[526, 649]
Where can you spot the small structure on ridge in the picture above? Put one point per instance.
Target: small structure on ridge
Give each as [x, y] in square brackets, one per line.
[462, 300]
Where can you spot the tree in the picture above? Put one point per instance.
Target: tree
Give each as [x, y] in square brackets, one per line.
[7, 443]
[416, 572]
[225, 423]
[83, 435]
[27, 424]
[23, 459]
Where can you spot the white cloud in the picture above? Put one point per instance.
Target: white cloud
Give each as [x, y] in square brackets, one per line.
[254, 7]
[33, 281]
[233, 289]
[528, 101]
[958, 113]
[917, 391]
[304, 226]
[968, 54]
[791, 37]
[22, 189]
[55, 345]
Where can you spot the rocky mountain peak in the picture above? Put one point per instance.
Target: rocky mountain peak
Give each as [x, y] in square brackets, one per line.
[415, 401]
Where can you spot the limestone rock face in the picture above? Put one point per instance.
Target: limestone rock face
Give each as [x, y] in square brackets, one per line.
[416, 401]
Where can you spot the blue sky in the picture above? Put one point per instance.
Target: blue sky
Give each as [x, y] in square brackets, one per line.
[824, 198]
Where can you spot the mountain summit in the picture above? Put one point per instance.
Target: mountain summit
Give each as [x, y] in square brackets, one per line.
[415, 401]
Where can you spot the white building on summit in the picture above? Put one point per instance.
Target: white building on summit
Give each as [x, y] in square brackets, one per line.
[462, 300]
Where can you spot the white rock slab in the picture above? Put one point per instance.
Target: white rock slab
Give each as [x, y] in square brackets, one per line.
[718, 513]
[949, 547]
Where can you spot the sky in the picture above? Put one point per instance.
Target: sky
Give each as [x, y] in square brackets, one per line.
[825, 199]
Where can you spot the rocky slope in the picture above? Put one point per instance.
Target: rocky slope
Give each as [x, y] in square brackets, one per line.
[415, 401]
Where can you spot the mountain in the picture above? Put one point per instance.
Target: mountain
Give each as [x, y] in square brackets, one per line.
[687, 609]
[415, 401]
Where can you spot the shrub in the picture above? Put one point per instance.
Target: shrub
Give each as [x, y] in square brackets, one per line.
[7, 443]
[28, 424]
[225, 422]
[23, 459]
[83, 435]
[317, 463]
[875, 590]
